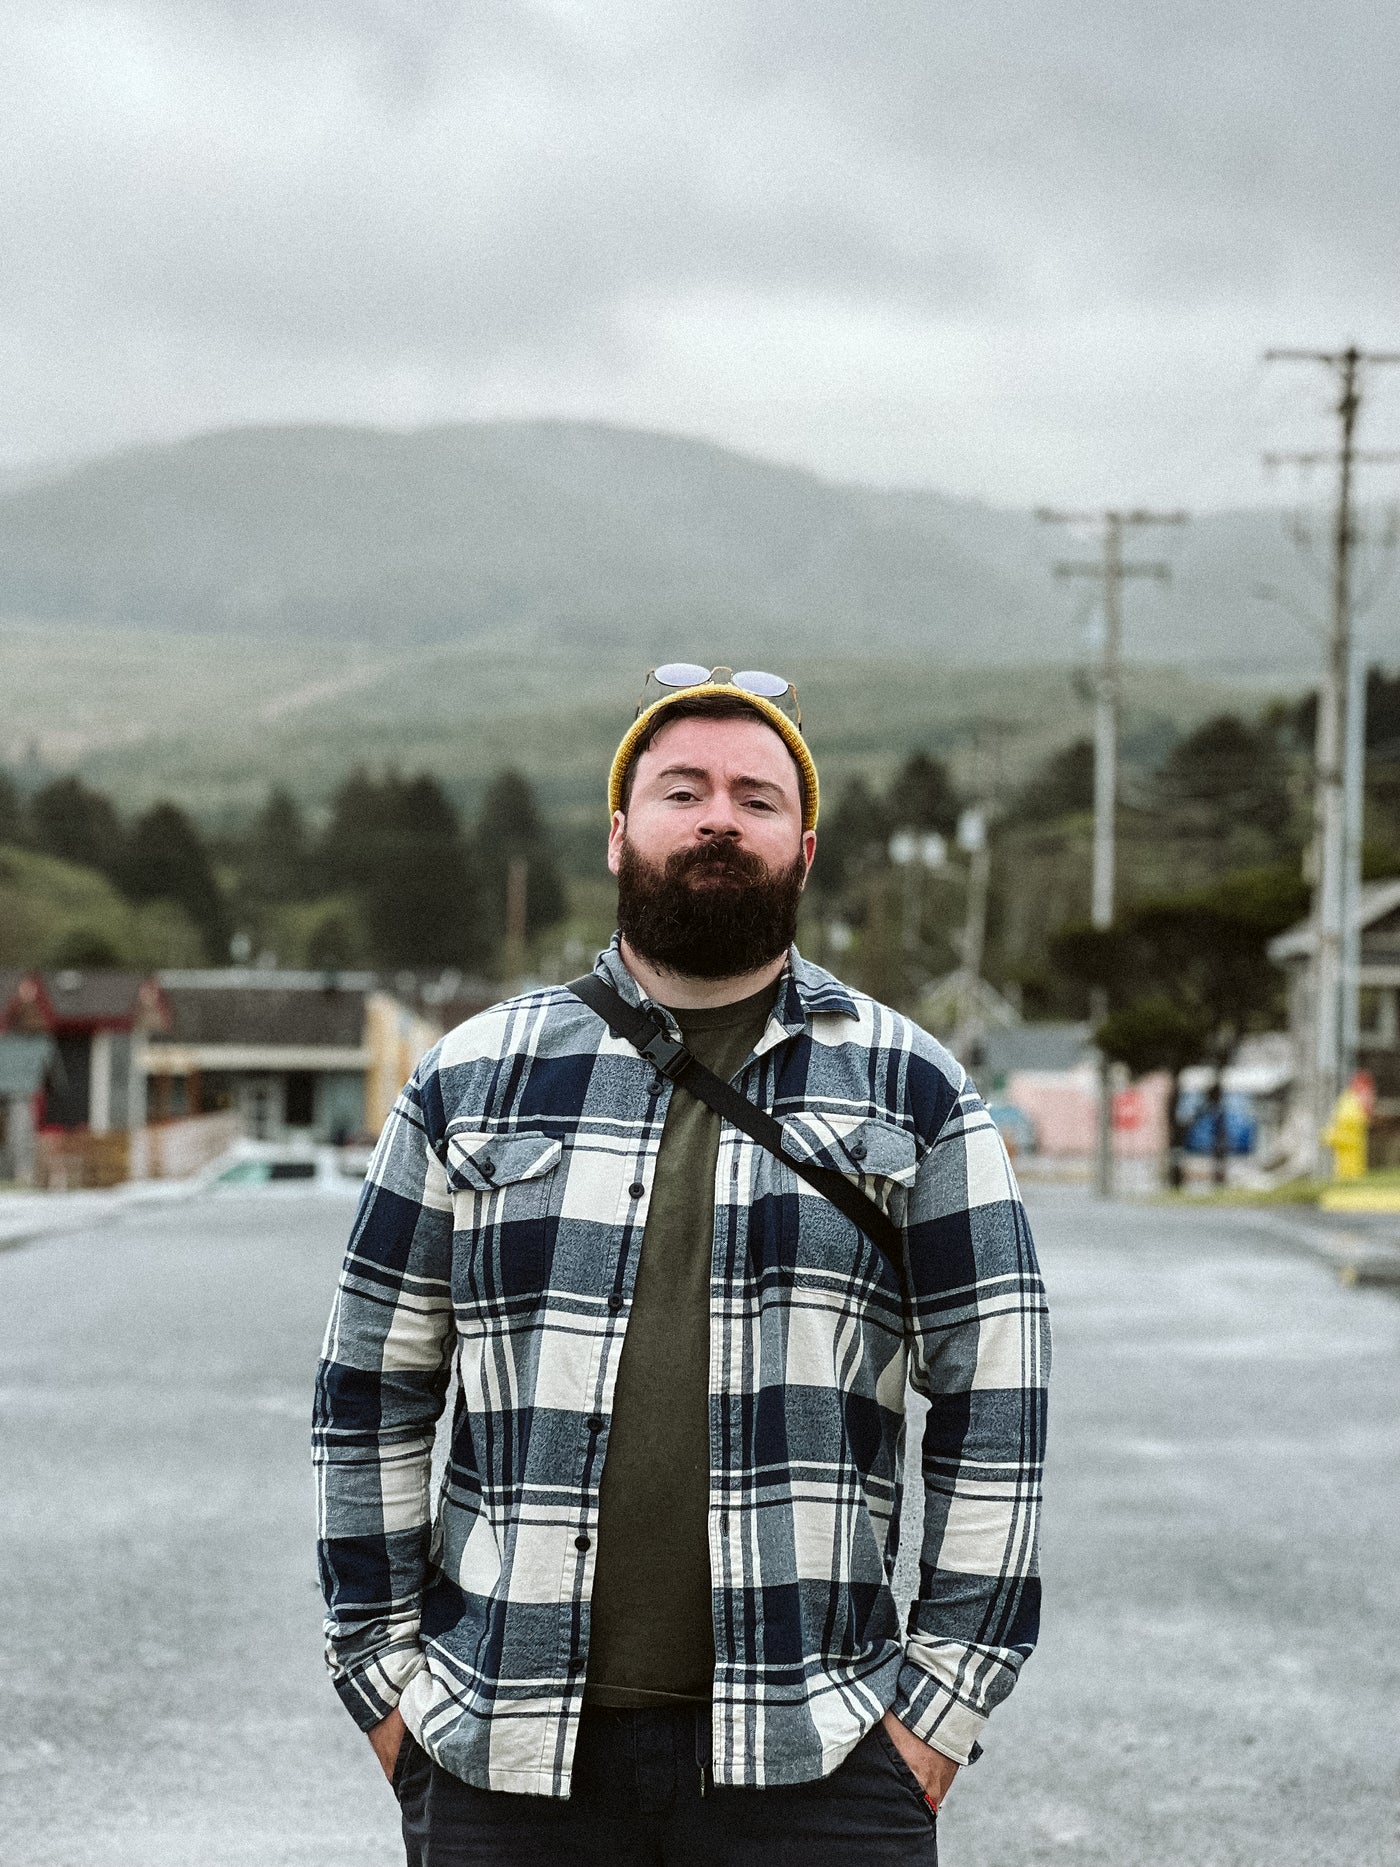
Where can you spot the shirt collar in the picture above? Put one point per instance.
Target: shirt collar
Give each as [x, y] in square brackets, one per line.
[804, 992]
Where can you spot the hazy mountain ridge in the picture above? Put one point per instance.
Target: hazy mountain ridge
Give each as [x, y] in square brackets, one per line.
[588, 536]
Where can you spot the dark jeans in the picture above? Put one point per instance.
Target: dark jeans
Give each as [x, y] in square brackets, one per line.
[637, 1802]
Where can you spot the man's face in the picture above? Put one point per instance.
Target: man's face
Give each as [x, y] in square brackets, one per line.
[705, 779]
[710, 853]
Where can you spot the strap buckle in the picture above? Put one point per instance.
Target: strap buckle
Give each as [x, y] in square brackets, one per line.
[667, 1056]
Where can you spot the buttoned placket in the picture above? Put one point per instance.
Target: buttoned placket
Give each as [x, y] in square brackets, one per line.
[595, 1424]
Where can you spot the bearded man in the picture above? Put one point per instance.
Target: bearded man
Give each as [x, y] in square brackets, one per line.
[650, 1619]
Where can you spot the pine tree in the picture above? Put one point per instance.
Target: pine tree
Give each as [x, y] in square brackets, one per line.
[1062, 786]
[1227, 776]
[351, 847]
[277, 855]
[510, 826]
[12, 824]
[76, 824]
[165, 860]
[422, 904]
[856, 832]
[922, 796]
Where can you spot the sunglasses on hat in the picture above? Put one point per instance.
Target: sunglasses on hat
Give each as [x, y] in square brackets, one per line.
[673, 674]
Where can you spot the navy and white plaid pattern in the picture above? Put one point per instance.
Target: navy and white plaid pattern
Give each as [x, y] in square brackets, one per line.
[498, 1237]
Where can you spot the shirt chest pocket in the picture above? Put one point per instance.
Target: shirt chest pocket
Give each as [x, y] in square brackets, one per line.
[862, 1148]
[875, 1156]
[502, 1186]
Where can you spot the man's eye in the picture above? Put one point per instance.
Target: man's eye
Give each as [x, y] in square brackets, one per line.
[680, 797]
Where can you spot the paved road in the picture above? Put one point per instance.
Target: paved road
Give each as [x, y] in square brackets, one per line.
[1217, 1684]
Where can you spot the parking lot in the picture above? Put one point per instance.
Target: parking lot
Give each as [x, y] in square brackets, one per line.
[1219, 1673]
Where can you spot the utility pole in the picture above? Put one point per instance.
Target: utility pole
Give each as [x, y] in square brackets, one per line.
[517, 896]
[1110, 571]
[1339, 764]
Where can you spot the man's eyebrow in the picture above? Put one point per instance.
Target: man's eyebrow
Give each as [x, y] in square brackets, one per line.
[699, 773]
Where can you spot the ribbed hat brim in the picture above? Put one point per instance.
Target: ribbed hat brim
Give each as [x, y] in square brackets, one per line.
[773, 716]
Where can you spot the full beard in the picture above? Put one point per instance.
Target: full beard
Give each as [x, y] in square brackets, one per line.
[710, 912]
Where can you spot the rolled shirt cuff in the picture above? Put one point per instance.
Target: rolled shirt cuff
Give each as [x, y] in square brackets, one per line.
[371, 1688]
[924, 1703]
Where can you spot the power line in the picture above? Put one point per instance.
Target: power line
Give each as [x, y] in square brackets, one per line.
[1111, 570]
[1339, 756]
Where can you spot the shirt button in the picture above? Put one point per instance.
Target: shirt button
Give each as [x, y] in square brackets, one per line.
[614, 1300]
[656, 1085]
[636, 1189]
[857, 1150]
[594, 1422]
[576, 1662]
[583, 1542]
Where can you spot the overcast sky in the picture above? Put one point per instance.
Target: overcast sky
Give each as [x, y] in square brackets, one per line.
[1025, 251]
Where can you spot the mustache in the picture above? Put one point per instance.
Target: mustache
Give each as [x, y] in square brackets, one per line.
[721, 856]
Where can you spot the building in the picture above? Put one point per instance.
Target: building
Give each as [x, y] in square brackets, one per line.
[108, 1075]
[312, 1054]
[1378, 1033]
[91, 1097]
[25, 1066]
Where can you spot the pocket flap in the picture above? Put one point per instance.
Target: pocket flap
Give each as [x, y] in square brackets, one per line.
[485, 1161]
[853, 1145]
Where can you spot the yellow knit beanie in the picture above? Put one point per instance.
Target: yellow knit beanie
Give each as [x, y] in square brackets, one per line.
[771, 715]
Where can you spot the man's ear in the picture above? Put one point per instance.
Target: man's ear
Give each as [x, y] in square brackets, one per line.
[809, 850]
[616, 836]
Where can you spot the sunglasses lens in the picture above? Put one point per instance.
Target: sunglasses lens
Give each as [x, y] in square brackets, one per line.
[754, 681]
[681, 674]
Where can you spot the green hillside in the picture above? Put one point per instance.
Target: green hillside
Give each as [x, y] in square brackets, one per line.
[583, 541]
[53, 913]
[213, 721]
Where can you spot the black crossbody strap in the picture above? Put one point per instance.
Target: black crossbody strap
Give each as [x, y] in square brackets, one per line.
[646, 1034]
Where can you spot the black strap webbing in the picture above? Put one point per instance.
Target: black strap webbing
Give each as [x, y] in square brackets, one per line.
[648, 1035]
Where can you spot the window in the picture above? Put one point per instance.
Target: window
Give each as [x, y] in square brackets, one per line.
[301, 1098]
[1376, 1023]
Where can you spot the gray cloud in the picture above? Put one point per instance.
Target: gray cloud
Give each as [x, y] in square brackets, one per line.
[1011, 249]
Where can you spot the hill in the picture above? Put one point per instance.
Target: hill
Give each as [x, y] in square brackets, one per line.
[53, 914]
[590, 541]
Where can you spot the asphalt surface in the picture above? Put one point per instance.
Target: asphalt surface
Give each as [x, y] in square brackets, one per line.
[1218, 1680]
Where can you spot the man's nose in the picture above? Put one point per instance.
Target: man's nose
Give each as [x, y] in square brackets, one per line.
[721, 819]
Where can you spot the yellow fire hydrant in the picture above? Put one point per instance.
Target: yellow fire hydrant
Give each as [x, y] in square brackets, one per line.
[1347, 1136]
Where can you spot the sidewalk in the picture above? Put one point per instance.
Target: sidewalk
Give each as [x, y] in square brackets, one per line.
[25, 1216]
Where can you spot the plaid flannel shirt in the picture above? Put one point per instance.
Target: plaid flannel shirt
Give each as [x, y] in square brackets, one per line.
[498, 1236]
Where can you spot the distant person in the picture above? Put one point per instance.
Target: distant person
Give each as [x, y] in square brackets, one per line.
[650, 1617]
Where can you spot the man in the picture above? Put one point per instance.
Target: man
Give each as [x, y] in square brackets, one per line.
[650, 1619]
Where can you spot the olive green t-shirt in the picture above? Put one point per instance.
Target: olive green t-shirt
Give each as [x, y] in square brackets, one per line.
[651, 1638]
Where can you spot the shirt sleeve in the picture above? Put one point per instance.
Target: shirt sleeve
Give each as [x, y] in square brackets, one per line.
[981, 1356]
[380, 1389]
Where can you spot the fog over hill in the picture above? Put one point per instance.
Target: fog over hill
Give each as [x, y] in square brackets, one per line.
[594, 539]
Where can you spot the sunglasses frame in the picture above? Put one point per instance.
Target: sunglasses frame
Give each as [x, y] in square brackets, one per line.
[712, 679]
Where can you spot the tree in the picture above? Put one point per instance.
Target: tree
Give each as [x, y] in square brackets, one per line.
[1186, 978]
[1062, 786]
[856, 830]
[352, 845]
[335, 941]
[165, 860]
[12, 826]
[1157, 1034]
[276, 855]
[921, 796]
[396, 845]
[1226, 776]
[76, 824]
[508, 828]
